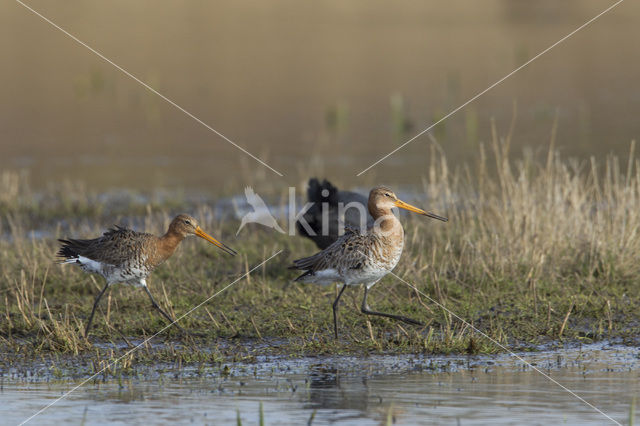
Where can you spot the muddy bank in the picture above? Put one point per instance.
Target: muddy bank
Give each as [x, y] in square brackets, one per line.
[154, 361]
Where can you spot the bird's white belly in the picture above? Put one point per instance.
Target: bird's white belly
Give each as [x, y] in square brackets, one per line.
[363, 276]
[88, 265]
[128, 274]
[326, 276]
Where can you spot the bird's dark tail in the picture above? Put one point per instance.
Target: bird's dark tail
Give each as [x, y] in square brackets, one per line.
[299, 278]
[70, 249]
[305, 264]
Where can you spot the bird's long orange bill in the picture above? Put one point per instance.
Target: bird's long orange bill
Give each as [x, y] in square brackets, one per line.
[200, 233]
[414, 209]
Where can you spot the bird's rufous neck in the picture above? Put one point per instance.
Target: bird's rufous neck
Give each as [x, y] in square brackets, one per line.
[168, 244]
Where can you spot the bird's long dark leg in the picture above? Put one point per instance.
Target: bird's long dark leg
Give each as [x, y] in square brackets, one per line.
[366, 310]
[93, 311]
[335, 310]
[164, 314]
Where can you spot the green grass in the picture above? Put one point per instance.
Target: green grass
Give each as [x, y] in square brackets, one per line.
[539, 252]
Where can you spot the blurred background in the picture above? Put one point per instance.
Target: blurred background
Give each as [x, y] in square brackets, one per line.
[311, 87]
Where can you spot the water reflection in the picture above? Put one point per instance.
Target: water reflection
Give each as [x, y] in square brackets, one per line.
[327, 392]
[360, 391]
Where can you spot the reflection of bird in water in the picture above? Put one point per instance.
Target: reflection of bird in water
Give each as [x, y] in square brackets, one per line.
[326, 392]
[260, 213]
[125, 256]
[363, 257]
[324, 196]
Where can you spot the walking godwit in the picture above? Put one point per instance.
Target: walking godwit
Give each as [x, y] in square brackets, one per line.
[121, 255]
[363, 258]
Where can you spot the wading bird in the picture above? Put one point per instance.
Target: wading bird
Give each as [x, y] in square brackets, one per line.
[121, 255]
[363, 258]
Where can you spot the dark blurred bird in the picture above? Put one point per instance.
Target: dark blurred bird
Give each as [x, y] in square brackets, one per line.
[121, 255]
[327, 199]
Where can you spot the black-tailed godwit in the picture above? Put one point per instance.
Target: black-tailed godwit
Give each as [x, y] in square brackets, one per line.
[363, 258]
[121, 255]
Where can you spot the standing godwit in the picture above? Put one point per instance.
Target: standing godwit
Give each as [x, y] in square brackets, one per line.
[363, 258]
[121, 255]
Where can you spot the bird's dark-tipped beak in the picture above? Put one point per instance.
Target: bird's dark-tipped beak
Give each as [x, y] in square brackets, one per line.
[200, 233]
[415, 209]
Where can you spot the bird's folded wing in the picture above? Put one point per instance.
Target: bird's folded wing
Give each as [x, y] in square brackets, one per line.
[347, 252]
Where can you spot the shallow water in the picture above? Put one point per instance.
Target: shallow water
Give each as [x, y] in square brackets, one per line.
[346, 390]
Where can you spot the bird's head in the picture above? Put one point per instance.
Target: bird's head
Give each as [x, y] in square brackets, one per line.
[384, 199]
[185, 226]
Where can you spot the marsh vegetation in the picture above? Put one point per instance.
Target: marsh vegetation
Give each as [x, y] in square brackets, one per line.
[537, 252]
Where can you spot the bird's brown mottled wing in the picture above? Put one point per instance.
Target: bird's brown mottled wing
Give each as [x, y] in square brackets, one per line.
[345, 253]
[114, 247]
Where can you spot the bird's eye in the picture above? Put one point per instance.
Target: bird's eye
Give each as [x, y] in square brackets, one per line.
[387, 194]
[187, 222]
